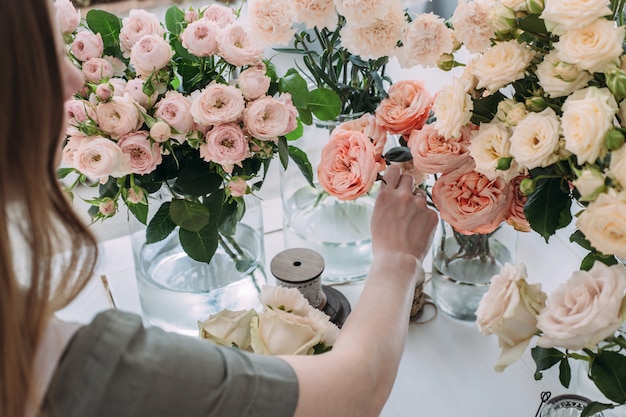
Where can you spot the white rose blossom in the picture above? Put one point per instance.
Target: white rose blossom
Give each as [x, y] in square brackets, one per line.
[425, 40]
[536, 139]
[501, 64]
[453, 108]
[603, 223]
[590, 183]
[276, 332]
[563, 15]
[472, 26]
[515, 5]
[509, 309]
[489, 144]
[558, 78]
[510, 112]
[617, 168]
[228, 328]
[587, 115]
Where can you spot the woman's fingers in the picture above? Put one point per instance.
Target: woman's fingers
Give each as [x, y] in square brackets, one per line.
[392, 177]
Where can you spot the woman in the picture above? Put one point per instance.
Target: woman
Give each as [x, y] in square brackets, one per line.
[114, 367]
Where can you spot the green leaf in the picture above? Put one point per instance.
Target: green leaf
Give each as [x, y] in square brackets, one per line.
[532, 23]
[283, 152]
[591, 258]
[548, 208]
[64, 172]
[161, 225]
[140, 211]
[297, 133]
[294, 84]
[594, 408]
[196, 179]
[546, 358]
[485, 108]
[399, 154]
[608, 372]
[565, 372]
[109, 189]
[174, 20]
[199, 245]
[325, 104]
[232, 212]
[302, 161]
[107, 25]
[189, 215]
[305, 116]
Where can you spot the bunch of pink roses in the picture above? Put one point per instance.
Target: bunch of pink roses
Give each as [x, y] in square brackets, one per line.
[190, 106]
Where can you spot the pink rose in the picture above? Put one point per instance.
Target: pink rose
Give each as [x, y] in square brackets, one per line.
[406, 108]
[135, 26]
[516, 217]
[348, 167]
[266, 118]
[119, 116]
[79, 111]
[119, 86]
[99, 157]
[200, 38]
[366, 124]
[104, 91]
[432, 153]
[470, 202]
[238, 48]
[285, 98]
[97, 69]
[253, 82]
[219, 14]
[175, 109]
[144, 155]
[150, 54]
[237, 187]
[217, 104]
[69, 150]
[160, 132]
[226, 145]
[135, 195]
[107, 207]
[66, 15]
[87, 45]
[191, 16]
[119, 68]
[134, 88]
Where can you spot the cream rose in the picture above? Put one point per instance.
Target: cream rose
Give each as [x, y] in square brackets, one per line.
[559, 78]
[489, 144]
[135, 26]
[563, 15]
[228, 328]
[253, 82]
[594, 47]
[617, 168]
[434, 153]
[585, 310]
[119, 116]
[144, 155]
[238, 48]
[87, 45]
[99, 157]
[216, 104]
[276, 332]
[406, 108]
[222, 15]
[425, 40]
[266, 118]
[589, 183]
[501, 64]
[603, 223]
[175, 110]
[270, 21]
[535, 141]
[200, 38]
[515, 5]
[509, 309]
[472, 25]
[226, 145]
[319, 13]
[453, 108]
[150, 54]
[97, 69]
[510, 112]
[290, 300]
[67, 15]
[587, 115]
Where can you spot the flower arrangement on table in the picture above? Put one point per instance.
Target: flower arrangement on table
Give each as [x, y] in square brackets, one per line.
[289, 325]
[190, 106]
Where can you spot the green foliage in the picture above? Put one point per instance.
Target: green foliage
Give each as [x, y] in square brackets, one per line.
[108, 26]
[548, 208]
[608, 372]
[161, 225]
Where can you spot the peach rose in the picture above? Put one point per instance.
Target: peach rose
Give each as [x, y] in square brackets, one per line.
[517, 218]
[134, 88]
[150, 54]
[99, 157]
[348, 167]
[67, 15]
[144, 155]
[238, 48]
[432, 153]
[219, 14]
[135, 26]
[266, 118]
[97, 69]
[119, 116]
[366, 124]
[217, 104]
[406, 108]
[87, 45]
[470, 202]
[175, 110]
[200, 38]
[253, 82]
[79, 111]
[226, 145]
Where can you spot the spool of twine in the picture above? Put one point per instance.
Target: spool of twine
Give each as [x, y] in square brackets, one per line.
[420, 300]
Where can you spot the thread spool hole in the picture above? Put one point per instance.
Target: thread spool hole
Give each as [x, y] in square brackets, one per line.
[297, 263]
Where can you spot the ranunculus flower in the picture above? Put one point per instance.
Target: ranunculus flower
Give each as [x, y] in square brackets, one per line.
[587, 115]
[97, 69]
[617, 168]
[489, 144]
[237, 187]
[228, 327]
[406, 108]
[425, 40]
[135, 26]
[175, 110]
[433, 153]
[217, 104]
[276, 332]
[470, 202]
[349, 165]
[561, 16]
[509, 309]
[67, 15]
[270, 21]
[501, 64]
[144, 155]
[558, 78]
[238, 48]
[134, 88]
[516, 217]
[200, 38]
[160, 132]
[472, 25]
[99, 157]
[222, 15]
[87, 45]
[253, 82]
[535, 141]
[585, 310]
[603, 223]
[318, 13]
[79, 111]
[266, 118]
[149, 54]
[226, 145]
[453, 108]
[119, 116]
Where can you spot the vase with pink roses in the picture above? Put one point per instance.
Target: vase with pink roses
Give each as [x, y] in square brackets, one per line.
[178, 122]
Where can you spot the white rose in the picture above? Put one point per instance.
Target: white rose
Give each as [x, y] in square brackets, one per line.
[594, 47]
[559, 78]
[453, 108]
[589, 184]
[603, 223]
[276, 332]
[488, 145]
[587, 115]
[562, 15]
[501, 64]
[228, 328]
[288, 299]
[509, 309]
[617, 168]
[585, 310]
[535, 140]
[510, 112]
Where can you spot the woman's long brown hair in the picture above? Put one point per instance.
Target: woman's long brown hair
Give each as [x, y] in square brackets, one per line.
[46, 253]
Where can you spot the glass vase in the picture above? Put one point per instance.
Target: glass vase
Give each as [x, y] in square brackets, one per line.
[176, 291]
[338, 230]
[464, 264]
[566, 405]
